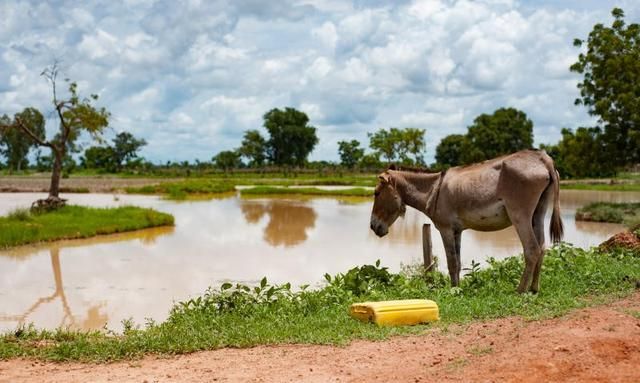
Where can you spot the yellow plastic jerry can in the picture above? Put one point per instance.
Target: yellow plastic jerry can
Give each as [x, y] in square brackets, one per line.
[393, 313]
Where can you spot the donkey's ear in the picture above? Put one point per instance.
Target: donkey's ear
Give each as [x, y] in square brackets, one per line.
[392, 167]
[384, 177]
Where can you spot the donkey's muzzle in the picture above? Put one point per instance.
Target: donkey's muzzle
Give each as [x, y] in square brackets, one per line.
[379, 229]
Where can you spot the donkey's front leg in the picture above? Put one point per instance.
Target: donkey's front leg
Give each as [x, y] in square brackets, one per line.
[453, 256]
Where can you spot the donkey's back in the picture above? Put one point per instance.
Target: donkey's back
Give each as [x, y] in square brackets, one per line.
[476, 196]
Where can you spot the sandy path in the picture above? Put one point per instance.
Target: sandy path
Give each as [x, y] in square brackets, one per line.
[599, 344]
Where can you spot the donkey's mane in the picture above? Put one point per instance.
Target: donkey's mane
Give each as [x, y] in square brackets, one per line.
[412, 169]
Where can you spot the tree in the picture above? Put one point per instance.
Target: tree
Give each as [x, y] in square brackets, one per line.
[370, 161]
[253, 148]
[384, 144]
[581, 154]
[14, 145]
[505, 131]
[227, 160]
[411, 145]
[125, 149]
[611, 85]
[112, 158]
[291, 137]
[350, 153]
[99, 157]
[449, 150]
[75, 115]
[399, 144]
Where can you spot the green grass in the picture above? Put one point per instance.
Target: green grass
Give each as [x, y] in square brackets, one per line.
[602, 187]
[626, 213]
[21, 227]
[265, 190]
[181, 189]
[244, 316]
[203, 186]
[633, 313]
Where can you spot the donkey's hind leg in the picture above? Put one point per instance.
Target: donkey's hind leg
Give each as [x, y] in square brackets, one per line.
[522, 219]
[538, 229]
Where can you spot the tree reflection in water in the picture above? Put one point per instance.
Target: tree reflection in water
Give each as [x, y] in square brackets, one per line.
[288, 222]
[94, 319]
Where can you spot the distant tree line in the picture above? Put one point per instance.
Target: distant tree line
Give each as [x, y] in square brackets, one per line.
[291, 140]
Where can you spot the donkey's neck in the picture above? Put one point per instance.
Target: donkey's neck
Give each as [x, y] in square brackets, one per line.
[416, 189]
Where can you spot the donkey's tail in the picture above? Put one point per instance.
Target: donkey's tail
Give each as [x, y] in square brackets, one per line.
[556, 228]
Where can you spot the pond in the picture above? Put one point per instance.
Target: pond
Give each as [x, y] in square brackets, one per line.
[96, 283]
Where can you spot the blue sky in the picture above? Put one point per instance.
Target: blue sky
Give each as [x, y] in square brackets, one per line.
[190, 77]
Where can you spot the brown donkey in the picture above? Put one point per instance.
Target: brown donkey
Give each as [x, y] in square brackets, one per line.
[510, 190]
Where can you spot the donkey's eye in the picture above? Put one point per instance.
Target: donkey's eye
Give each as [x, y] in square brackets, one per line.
[376, 193]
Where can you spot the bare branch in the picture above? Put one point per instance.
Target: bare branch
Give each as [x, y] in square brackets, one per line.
[33, 136]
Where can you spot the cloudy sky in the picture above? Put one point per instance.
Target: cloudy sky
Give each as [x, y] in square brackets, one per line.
[191, 76]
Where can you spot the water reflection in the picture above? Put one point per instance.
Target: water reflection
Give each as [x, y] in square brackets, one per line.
[288, 221]
[94, 318]
[67, 319]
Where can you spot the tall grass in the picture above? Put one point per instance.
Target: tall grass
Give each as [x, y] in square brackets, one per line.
[242, 316]
[21, 227]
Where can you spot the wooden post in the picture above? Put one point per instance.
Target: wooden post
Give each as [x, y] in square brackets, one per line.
[426, 247]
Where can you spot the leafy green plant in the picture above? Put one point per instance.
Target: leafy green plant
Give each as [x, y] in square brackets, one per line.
[361, 280]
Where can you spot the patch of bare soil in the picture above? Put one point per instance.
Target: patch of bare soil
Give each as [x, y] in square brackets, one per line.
[600, 344]
[626, 239]
[37, 184]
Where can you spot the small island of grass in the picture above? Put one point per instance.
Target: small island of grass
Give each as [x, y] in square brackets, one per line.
[21, 227]
[625, 213]
[263, 190]
[182, 189]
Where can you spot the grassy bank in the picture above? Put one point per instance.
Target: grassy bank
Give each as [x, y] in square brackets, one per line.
[204, 186]
[601, 186]
[22, 227]
[181, 189]
[243, 316]
[267, 190]
[625, 213]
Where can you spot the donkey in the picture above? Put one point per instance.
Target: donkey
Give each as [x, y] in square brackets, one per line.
[514, 189]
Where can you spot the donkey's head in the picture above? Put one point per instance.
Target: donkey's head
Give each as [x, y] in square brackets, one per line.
[387, 205]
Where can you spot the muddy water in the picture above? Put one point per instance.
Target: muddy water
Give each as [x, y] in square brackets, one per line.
[90, 284]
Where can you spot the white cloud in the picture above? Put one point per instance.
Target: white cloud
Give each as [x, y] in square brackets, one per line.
[425, 9]
[327, 34]
[99, 45]
[191, 79]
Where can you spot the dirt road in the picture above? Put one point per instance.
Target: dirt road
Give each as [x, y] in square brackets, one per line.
[600, 344]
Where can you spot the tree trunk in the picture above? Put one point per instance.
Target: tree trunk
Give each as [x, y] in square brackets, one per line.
[54, 189]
